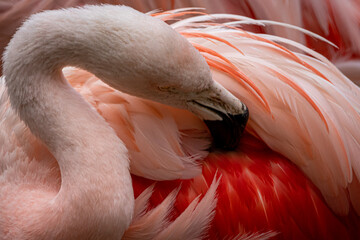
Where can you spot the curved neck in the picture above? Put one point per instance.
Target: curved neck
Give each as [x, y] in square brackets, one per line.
[96, 192]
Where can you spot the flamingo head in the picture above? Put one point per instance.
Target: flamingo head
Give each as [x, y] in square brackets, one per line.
[171, 71]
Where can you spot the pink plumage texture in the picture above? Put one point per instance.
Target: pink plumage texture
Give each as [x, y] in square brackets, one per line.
[294, 174]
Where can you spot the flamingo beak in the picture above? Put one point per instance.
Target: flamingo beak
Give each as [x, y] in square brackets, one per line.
[227, 132]
[225, 116]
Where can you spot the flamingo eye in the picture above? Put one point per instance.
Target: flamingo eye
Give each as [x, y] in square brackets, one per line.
[171, 89]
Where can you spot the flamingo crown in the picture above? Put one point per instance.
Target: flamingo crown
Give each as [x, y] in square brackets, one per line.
[128, 50]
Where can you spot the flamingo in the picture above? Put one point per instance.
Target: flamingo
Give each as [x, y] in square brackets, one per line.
[95, 197]
[253, 168]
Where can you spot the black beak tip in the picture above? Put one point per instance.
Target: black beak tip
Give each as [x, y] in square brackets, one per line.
[227, 132]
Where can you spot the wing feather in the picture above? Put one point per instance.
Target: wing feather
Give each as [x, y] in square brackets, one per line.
[314, 109]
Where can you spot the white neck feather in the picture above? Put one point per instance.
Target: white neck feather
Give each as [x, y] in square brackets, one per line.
[96, 195]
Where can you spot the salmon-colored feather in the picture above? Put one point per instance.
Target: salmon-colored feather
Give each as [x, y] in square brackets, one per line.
[238, 76]
[209, 36]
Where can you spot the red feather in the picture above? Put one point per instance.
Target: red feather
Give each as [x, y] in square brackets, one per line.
[259, 191]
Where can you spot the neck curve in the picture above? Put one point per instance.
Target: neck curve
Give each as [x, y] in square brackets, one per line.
[96, 196]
